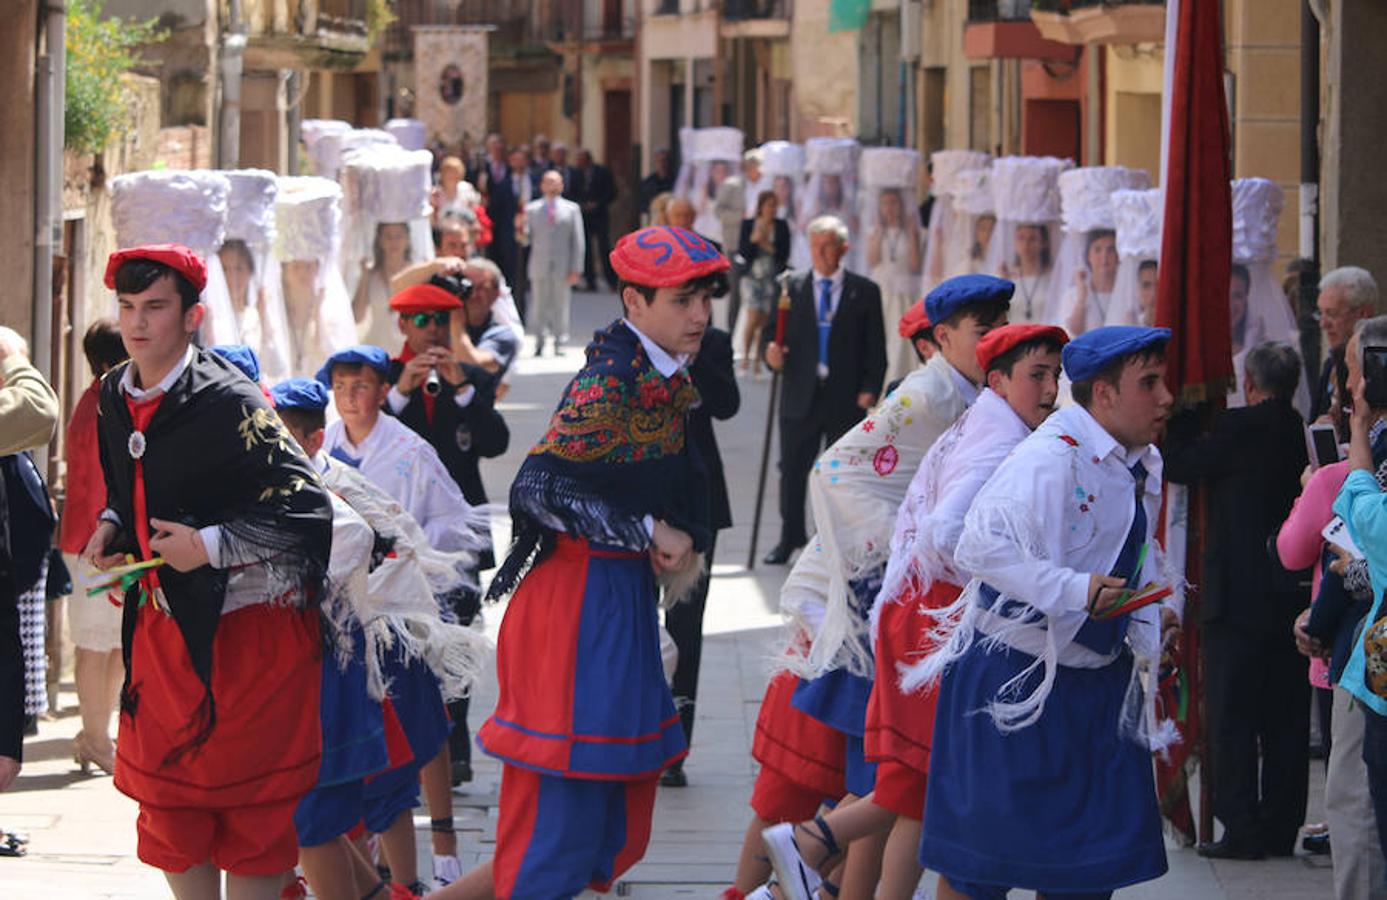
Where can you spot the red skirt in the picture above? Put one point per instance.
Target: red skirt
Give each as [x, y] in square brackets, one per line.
[799, 747]
[900, 727]
[267, 739]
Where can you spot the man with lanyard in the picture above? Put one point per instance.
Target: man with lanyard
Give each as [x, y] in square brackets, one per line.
[219, 735]
[609, 500]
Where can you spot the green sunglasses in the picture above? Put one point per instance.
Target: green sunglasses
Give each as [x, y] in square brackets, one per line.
[421, 320]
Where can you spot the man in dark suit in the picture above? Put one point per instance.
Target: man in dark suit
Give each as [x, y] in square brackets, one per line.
[459, 420]
[594, 190]
[657, 182]
[505, 204]
[1256, 688]
[719, 398]
[832, 365]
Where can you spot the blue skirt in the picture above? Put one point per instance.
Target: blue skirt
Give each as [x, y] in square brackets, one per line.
[419, 704]
[582, 686]
[1064, 805]
[353, 724]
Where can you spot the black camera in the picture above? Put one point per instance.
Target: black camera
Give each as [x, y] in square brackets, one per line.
[456, 285]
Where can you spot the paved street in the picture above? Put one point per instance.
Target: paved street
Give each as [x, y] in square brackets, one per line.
[82, 831]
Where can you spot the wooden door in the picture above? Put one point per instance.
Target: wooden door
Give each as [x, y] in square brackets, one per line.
[616, 142]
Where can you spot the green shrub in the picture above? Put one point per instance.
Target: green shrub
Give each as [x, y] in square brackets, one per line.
[98, 52]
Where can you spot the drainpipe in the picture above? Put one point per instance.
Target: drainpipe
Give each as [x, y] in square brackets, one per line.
[48, 180]
[1309, 186]
[232, 64]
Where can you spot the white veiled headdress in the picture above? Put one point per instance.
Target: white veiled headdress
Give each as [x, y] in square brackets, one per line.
[1025, 190]
[308, 218]
[181, 207]
[1086, 206]
[956, 177]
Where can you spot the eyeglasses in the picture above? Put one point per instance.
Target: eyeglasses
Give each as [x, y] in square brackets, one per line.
[422, 320]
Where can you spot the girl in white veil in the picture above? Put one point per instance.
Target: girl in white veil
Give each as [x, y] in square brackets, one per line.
[831, 189]
[782, 163]
[1087, 263]
[1137, 215]
[308, 238]
[1257, 206]
[188, 208]
[1025, 190]
[952, 233]
[385, 193]
[893, 242]
[257, 299]
[717, 152]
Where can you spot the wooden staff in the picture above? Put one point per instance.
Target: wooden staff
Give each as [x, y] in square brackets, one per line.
[782, 312]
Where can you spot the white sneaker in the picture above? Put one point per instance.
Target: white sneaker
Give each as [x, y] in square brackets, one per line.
[446, 870]
[797, 880]
[762, 893]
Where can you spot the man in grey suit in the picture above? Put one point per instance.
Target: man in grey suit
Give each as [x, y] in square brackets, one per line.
[557, 246]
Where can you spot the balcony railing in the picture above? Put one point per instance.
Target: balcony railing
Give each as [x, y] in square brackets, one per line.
[742, 10]
[998, 10]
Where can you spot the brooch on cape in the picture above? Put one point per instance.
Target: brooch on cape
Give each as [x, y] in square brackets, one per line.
[136, 445]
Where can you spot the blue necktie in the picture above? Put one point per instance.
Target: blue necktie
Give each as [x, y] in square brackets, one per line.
[825, 319]
[1104, 636]
[342, 456]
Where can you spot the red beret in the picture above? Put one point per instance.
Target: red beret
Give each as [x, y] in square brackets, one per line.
[175, 256]
[914, 321]
[419, 298]
[665, 256]
[1000, 340]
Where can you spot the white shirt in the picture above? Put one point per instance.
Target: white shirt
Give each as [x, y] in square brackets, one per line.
[855, 490]
[406, 467]
[663, 362]
[835, 296]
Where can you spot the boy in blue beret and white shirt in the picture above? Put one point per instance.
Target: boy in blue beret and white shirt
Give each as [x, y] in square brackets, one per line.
[1040, 774]
[405, 466]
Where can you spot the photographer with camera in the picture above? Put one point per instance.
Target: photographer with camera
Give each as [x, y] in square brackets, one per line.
[444, 389]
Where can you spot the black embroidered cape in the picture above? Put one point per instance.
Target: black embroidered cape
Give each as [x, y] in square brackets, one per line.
[215, 453]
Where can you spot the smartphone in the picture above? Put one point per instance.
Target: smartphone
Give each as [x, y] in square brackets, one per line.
[1375, 376]
[1323, 444]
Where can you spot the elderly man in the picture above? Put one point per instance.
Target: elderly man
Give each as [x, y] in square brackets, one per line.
[1347, 294]
[28, 415]
[833, 362]
[1258, 695]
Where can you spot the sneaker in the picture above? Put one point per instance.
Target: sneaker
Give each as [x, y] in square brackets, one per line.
[295, 890]
[764, 892]
[797, 880]
[446, 870]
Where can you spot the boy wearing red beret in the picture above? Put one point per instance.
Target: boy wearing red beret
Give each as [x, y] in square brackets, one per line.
[221, 639]
[609, 501]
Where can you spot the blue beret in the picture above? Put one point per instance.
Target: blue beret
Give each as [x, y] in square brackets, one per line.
[299, 393]
[963, 290]
[361, 354]
[242, 357]
[1092, 352]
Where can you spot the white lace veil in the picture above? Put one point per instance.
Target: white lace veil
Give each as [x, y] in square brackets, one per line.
[1137, 216]
[1085, 207]
[308, 219]
[1025, 190]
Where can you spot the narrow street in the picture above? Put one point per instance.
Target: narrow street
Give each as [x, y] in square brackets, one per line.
[82, 831]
